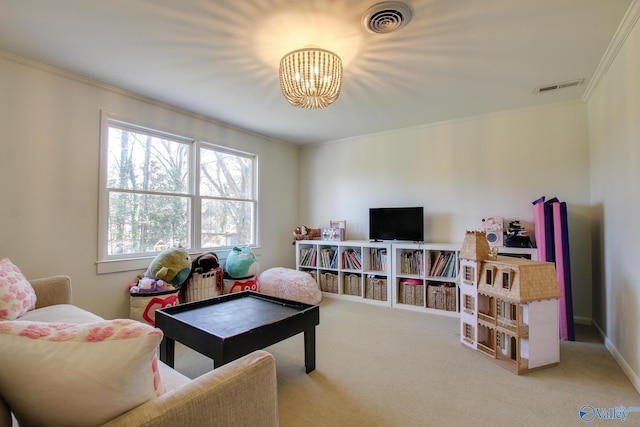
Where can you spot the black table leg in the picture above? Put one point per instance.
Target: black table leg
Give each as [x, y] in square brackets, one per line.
[167, 351]
[310, 349]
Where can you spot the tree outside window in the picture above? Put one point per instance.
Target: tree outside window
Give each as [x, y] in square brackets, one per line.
[164, 191]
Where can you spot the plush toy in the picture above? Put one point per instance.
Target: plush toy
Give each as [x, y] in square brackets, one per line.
[241, 263]
[172, 265]
[147, 285]
[205, 262]
[305, 233]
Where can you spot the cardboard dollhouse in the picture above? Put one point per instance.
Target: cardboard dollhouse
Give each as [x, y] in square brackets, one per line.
[508, 306]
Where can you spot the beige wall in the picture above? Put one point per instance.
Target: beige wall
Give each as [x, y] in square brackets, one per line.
[461, 171]
[614, 133]
[49, 144]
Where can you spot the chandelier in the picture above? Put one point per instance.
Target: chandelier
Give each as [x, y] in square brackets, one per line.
[311, 77]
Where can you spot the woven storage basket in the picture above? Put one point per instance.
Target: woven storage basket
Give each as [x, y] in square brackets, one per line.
[201, 286]
[375, 288]
[352, 284]
[441, 297]
[411, 292]
[329, 282]
[419, 295]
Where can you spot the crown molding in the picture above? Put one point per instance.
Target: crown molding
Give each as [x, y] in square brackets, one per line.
[27, 62]
[626, 26]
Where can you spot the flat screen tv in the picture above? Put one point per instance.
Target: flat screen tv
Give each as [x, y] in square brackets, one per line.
[397, 224]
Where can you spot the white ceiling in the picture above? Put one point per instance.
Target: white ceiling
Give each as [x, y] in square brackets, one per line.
[219, 58]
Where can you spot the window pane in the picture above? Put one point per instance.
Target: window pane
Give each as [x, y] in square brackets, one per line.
[226, 223]
[141, 223]
[138, 161]
[225, 175]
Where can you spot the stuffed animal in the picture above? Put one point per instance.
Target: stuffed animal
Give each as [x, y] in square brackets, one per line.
[146, 285]
[172, 265]
[205, 262]
[305, 233]
[241, 263]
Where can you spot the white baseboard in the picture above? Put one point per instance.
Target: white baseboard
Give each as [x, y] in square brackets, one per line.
[582, 320]
[628, 371]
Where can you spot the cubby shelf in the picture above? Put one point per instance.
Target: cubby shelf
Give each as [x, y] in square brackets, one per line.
[403, 275]
[424, 277]
[355, 270]
[411, 276]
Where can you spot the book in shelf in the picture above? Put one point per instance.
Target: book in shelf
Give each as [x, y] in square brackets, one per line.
[411, 262]
[308, 257]
[443, 264]
[328, 257]
[352, 259]
[378, 259]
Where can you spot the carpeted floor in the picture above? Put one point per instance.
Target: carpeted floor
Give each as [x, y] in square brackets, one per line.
[378, 366]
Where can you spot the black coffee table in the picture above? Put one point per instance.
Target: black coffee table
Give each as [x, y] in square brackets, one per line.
[230, 326]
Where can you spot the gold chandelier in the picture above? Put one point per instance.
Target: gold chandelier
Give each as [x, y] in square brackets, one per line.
[311, 77]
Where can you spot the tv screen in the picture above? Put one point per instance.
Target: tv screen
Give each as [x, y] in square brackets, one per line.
[397, 224]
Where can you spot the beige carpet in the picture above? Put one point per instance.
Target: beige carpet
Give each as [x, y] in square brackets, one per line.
[378, 366]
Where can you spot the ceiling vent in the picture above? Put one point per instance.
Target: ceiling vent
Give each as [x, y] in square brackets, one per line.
[555, 86]
[386, 17]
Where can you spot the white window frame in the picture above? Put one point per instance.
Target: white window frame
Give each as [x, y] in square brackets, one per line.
[127, 262]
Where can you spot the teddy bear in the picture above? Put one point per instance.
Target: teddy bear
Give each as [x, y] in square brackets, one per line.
[305, 233]
[173, 265]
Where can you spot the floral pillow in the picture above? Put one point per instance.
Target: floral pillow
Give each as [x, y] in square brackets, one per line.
[16, 294]
[77, 374]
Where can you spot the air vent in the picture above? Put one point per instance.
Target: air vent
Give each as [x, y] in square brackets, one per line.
[555, 86]
[386, 17]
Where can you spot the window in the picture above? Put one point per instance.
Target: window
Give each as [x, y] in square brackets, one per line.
[469, 303]
[489, 272]
[468, 332]
[160, 190]
[468, 273]
[506, 280]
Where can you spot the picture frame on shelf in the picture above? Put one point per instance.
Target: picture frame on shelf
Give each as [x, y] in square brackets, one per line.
[339, 224]
[331, 233]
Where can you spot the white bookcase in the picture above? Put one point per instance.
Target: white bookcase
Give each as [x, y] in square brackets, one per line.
[424, 277]
[356, 270]
[411, 276]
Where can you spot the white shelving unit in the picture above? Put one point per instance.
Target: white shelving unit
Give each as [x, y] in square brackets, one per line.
[355, 270]
[424, 277]
[411, 276]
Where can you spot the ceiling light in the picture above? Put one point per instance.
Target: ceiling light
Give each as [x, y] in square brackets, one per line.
[311, 77]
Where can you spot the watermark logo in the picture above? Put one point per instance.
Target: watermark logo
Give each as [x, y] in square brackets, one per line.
[589, 413]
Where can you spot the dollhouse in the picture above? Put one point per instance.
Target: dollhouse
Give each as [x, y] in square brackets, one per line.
[508, 306]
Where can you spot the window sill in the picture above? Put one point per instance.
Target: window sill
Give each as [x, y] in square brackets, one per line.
[136, 264]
